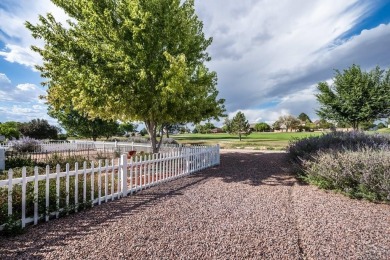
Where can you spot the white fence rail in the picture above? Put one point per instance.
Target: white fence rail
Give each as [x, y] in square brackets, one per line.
[42, 197]
[83, 145]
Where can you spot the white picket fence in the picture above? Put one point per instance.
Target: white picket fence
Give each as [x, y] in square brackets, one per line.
[116, 179]
[83, 145]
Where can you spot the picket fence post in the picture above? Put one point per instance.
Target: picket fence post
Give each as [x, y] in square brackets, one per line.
[123, 169]
[2, 159]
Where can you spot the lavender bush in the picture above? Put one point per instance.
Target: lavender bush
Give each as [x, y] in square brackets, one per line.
[354, 163]
[303, 149]
[361, 174]
[26, 144]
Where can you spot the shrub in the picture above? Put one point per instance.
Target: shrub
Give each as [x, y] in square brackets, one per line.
[26, 144]
[305, 148]
[141, 140]
[354, 163]
[169, 141]
[361, 174]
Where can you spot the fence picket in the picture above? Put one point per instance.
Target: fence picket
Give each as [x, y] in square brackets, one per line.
[84, 183]
[76, 186]
[67, 189]
[58, 190]
[24, 183]
[10, 189]
[35, 195]
[92, 183]
[47, 194]
[136, 173]
[141, 166]
[131, 175]
[112, 179]
[119, 179]
[149, 177]
[100, 182]
[106, 182]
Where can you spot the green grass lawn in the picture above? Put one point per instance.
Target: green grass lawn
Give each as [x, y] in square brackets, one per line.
[259, 141]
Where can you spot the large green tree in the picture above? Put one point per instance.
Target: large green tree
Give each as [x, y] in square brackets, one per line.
[239, 125]
[355, 96]
[39, 129]
[262, 127]
[80, 125]
[10, 129]
[129, 60]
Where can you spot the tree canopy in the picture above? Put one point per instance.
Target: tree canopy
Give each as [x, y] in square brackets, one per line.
[304, 118]
[262, 127]
[80, 125]
[129, 60]
[10, 129]
[238, 125]
[39, 129]
[355, 96]
[288, 121]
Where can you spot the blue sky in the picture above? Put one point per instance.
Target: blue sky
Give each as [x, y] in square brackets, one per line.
[269, 55]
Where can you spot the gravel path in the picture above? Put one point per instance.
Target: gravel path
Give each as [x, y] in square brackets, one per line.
[249, 207]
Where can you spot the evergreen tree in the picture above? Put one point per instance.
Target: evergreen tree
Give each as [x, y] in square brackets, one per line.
[239, 125]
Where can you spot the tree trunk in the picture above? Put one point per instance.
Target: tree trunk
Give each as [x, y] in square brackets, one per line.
[151, 127]
[239, 135]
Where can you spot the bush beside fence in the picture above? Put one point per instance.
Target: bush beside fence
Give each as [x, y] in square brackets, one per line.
[41, 197]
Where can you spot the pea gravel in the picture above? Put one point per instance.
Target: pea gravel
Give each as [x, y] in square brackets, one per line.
[250, 207]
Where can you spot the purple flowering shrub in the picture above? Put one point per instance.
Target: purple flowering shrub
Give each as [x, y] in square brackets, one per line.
[361, 174]
[303, 149]
[354, 163]
[26, 144]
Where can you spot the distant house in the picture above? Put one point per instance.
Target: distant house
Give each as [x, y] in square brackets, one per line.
[2, 138]
[216, 130]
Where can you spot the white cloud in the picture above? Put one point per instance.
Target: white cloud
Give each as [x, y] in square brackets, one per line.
[21, 102]
[17, 37]
[22, 93]
[278, 50]
[22, 113]
[21, 55]
[26, 87]
[264, 51]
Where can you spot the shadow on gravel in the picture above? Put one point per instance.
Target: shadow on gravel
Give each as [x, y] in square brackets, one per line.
[254, 169]
[40, 239]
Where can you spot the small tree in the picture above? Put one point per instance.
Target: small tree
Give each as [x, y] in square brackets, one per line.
[10, 129]
[304, 118]
[208, 127]
[381, 125]
[262, 127]
[355, 96]
[227, 126]
[39, 129]
[239, 125]
[276, 125]
[127, 128]
[289, 121]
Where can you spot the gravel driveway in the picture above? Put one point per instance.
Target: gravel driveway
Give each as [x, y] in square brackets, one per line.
[249, 207]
